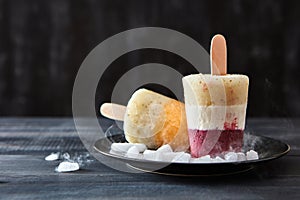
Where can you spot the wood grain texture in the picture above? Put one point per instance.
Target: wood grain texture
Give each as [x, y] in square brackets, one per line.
[44, 42]
[25, 174]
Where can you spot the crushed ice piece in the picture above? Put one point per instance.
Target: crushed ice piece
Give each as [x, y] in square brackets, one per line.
[150, 155]
[83, 159]
[52, 156]
[124, 147]
[231, 156]
[182, 157]
[141, 147]
[165, 149]
[133, 152]
[66, 156]
[241, 156]
[168, 156]
[203, 159]
[159, 156]
[66, 166]
[120, 147]
[251, 155]
[218, 159]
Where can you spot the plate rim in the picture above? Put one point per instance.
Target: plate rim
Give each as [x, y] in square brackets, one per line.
[159, 172]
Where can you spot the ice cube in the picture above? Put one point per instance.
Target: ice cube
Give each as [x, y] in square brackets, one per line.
[168, 156]
[120, 147]
[141, 147]
[218, 160]
[66, 166]
[251, 155]
[133, 152]
[124, 147]
[231, 156]
[241, 156]
[150, 155]
[52, 156]
[182, 157]
[66, 156]
[165, 149]
[203, 159]
[159, 156]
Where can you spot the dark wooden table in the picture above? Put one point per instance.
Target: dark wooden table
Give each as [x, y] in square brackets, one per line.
[24, 174]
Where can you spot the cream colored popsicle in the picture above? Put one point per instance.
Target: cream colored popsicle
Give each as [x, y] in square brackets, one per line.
[215, 110]
[216, 105]
[205, 94]
[155, 120]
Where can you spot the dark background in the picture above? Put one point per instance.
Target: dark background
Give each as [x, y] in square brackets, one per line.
[43, 43]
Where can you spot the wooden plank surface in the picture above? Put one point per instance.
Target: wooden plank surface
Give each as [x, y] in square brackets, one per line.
[44, 42]
[24, 174]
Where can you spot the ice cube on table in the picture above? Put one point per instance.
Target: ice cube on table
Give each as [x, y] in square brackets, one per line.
[67, 166]
[66, 156]
[231, 156]
[133, 152]
[52, 156]
[182, 157]
[124, 147]
[165, 149]
[252, 155]
[241, 156]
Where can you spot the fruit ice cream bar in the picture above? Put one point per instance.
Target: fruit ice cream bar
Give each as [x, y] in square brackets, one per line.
[155, 120]
[216, 109]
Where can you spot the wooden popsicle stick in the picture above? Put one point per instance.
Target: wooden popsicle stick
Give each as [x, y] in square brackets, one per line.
[113, 111]
[218, 55]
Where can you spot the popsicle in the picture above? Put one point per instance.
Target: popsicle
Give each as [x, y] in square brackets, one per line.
[216, 106]
[155, 120]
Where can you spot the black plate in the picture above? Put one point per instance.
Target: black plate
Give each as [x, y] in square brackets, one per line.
[267, 148]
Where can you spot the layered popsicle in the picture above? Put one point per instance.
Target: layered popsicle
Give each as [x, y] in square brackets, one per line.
[154, 119]
[216, 109]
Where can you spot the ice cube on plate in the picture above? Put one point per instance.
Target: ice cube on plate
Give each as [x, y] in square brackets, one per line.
[231, 156]
[158, 156]
[141, 147]
[133, 152]
[150, 155]
[168, 156]
[251, 155]
[203, 159]
[182, 157]
[124, 147]
[218, 159]
[241, 156]
[165, 149]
